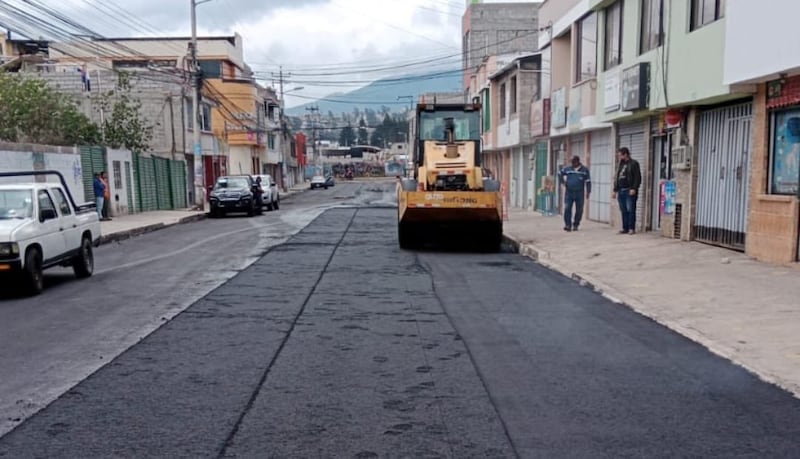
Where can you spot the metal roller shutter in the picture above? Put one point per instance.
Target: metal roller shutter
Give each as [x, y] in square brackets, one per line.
[632, 136]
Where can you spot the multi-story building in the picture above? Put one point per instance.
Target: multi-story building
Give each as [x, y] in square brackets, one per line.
[756, 60]
[272, 132]
[491, 29]
[501, 71]
[660, 80]
[235, 112]
[571, 47]
[507, 132]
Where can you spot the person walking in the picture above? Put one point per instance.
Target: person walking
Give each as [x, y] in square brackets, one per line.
[577, 183]
[99, 195]
[626, 189]
[106, 195]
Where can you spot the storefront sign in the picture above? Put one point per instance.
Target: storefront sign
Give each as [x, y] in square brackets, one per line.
[612, 91]
[559, 112]
[635, 86]
[540, 118]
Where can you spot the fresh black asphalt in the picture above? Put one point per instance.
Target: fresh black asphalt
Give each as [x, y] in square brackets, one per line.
[355, 348]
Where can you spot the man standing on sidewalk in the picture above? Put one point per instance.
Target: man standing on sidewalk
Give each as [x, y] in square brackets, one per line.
[577, 182]
[99, 195]
[626, 189]
[106, 196]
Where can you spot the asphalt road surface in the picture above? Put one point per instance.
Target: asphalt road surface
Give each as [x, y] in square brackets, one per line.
[335, 343]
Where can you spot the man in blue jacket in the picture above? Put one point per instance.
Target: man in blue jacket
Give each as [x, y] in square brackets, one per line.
[99, 194]
[577, 184]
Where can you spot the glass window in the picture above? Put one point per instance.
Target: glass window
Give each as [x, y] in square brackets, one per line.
[612, 46]
[785, 152]
[586, 63]
[513, 95]
[652, 32]
[205, 110]
[16, 204]
[211, 69]
[487, 111]
[45, 203]
[503, 101]
[232, 182]
[467, 125]
[706, 11]
[62, 201]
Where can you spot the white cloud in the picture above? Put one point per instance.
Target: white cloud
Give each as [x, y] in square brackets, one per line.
[306, 37]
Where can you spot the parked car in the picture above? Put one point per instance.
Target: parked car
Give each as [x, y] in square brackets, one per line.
[41, 227]
[318, 181]
[329, 181]
[234, 194]
[272, 196]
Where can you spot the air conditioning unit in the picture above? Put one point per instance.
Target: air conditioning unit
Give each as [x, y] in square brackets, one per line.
[682, 157]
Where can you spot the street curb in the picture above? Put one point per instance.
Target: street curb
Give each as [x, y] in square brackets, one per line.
[123, 235]
[618, 297]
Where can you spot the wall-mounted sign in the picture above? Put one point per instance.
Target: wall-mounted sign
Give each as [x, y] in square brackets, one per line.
[540, 118]
[611, 99]
[635, 82]
[559, 112]
[537, 118]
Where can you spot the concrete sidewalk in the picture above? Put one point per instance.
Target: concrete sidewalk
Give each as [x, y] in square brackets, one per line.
[746, 311]
[127, 226]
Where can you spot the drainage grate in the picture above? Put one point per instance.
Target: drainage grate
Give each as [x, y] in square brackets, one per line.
[678, 223]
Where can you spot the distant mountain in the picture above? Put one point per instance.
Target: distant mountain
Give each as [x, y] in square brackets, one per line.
[384, 92]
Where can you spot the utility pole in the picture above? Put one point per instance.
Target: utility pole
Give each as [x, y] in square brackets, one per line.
[283, 131]
[199, 175]
[314, 113]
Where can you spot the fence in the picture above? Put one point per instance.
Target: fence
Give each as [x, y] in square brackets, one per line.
[160, 183]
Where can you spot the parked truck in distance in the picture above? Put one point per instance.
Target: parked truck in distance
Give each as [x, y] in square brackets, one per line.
[41, 226]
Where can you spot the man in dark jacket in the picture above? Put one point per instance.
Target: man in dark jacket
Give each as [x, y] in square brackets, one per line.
[576, 181]
[626, 189]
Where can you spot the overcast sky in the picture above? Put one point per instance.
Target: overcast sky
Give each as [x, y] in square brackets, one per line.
[306, 37]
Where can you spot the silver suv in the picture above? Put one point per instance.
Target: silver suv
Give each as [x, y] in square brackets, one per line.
[272, 196]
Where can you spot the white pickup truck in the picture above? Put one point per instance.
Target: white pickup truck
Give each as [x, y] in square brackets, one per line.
[41, 227]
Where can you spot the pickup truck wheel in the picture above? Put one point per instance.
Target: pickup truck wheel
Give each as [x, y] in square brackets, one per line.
[277, 204]
[270, 207]
[32, 275]
[83, 263]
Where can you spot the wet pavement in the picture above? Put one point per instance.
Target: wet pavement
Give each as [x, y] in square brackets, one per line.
[354, 348]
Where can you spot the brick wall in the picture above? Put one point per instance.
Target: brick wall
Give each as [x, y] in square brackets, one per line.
[159, 95]
[772, 231]
[504, 27]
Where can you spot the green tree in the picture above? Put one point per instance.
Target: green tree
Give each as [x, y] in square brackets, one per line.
[363, 134]
[377, 138]
[347, 137]
[124, 126]
[34, 112]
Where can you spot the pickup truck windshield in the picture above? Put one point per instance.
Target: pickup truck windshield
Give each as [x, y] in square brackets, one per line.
[233, 182]
[16, 204]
